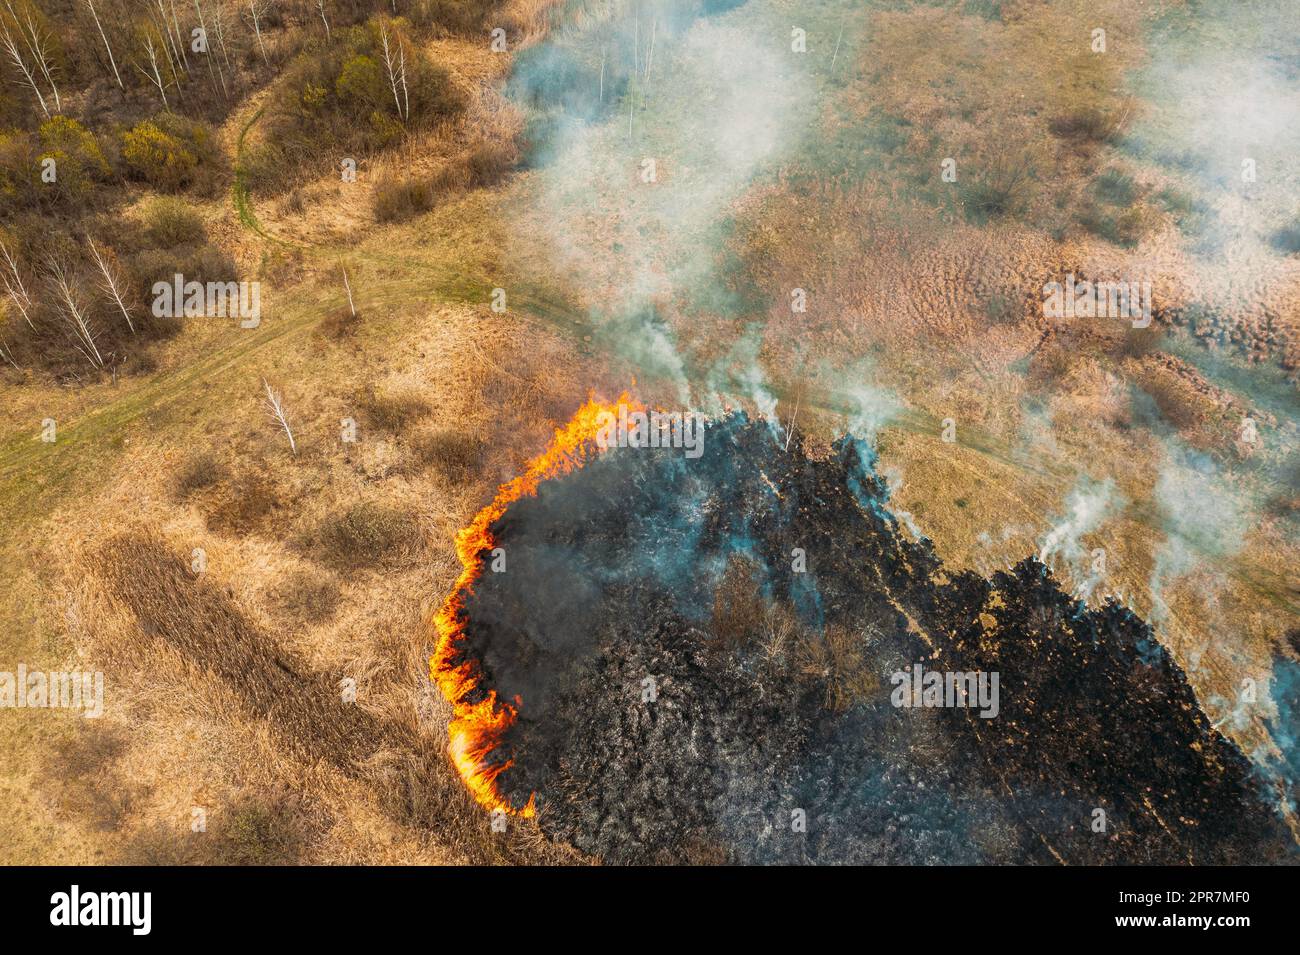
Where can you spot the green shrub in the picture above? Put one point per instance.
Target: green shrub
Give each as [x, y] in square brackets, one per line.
[360, 85]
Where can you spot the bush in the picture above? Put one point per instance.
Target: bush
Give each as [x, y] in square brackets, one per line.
[340, 100]
[168, 151]
[397, 199]
[17, 170]
[79, 162]
[360, 86]
[169, 222]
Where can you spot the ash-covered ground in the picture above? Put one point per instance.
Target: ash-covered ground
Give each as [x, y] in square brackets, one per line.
[693, 690]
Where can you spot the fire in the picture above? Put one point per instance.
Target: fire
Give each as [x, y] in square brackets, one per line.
[477, 728]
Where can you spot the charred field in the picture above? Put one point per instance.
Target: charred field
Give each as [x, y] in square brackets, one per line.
[670, 626]
[972, 538]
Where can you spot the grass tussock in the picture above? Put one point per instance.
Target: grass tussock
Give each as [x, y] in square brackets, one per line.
[366, 535]
[393, 410]
[245, 503]
[455, 456]
[397, 199]
[199, 472]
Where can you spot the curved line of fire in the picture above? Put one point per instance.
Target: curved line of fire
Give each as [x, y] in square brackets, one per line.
[476, 729]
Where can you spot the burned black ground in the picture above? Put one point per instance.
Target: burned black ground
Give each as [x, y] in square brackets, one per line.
[648, 735]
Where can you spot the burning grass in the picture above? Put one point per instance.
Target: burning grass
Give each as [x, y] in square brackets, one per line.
[479, 719]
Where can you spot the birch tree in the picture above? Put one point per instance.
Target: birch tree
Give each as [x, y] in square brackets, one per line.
[275, 408]
[347, 286]
[9, 43]
[320, 8]
[90, 5]
[207, 55]
[76, 315]
[255, 12]
[151, 51]
[110, 281]
[37, 41]
[14, 287]
[396, 69]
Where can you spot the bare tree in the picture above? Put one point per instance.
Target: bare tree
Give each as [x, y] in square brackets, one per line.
[76, 315]
[221, 37]
[180, 38]
[110, 281]
[789, 431]
[10, 45]
[320, 8]
[255, 8]
[13, 283]
[8, 355]
[275, 408]
[211, 60]
[348, 287]
[151, 51]
[396, 68]
[173, 47]
[90, 5]
[38, 43]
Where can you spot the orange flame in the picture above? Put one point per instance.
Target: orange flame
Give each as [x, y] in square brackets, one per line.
[477, 728]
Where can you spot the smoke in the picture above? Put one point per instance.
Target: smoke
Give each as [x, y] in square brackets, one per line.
[1223, 83]
[1087, 506]
[647, 124]
[1203, 517]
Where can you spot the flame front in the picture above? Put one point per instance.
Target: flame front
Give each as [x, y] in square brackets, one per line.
[476, 729]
